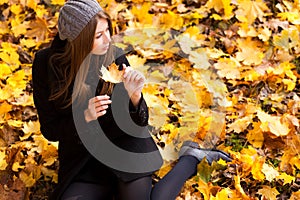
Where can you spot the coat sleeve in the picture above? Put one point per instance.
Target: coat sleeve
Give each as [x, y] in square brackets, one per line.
[139, 114]
[53, 123]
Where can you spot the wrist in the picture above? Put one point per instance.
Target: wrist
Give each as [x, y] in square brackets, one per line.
[135, 99]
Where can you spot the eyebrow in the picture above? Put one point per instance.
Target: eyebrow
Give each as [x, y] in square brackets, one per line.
[102, 30]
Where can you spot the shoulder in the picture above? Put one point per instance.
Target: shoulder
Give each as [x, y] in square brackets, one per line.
[41, 57]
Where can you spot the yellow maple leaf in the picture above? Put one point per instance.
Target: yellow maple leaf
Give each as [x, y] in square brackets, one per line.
[292, 16]
[240, 124]
[268, 193]
[296, 161]
[142, 14]
[50, 173]
[239, 188]
[248, 11]
[250, 51]
[223, 194]
[58, 2]
[257, 167]
[16, 166]
[199, 58]
[38, 29]
[287, 179]
[28, 180]
[31, 4]
[5, 107]
[269, 172]
[112, 73]
[171, 20]
[255, 136]
[273, 124]
[4, 71]
[228, 68]
[9, 54]
[295, 195]
[17, 80]
[3, 2]
[3, 163]
[221, 5]
[287, 39]
[16, 9]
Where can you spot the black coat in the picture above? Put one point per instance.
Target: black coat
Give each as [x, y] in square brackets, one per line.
[58, 124]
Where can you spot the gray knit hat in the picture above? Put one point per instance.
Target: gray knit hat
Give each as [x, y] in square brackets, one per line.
[74, 16]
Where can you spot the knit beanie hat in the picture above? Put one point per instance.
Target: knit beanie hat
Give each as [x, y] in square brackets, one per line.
[74, 16]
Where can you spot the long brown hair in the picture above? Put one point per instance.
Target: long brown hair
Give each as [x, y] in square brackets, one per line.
[73, 62]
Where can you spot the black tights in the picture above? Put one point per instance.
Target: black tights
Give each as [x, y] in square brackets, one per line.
[166, 189]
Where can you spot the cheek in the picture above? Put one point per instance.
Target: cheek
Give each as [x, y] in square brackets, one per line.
[97, 43]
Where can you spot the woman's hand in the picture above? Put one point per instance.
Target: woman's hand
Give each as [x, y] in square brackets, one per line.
[133, 82]
[97, 107]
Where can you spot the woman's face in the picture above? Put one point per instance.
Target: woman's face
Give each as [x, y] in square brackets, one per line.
[102, 38]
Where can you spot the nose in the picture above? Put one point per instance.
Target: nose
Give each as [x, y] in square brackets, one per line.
[107, 38]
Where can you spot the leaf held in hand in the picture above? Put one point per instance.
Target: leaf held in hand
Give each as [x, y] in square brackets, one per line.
[112, 74]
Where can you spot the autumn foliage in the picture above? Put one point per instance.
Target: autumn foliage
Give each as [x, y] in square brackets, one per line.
[222, 73]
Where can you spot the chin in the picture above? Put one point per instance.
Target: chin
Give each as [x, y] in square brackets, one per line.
[99, 52]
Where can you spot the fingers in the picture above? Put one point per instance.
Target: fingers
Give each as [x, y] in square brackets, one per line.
[131, 75]
[98, 105]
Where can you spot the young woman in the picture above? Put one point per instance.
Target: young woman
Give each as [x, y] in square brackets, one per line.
[98, 157]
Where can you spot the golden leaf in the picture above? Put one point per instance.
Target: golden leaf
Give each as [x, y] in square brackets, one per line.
[268, 192]
[287, 179]
[3, 163]
[239, 188]
[18, 28]
[28, 180]
[221, 5]
[269, 172]
[4, 71]
[31, 4]
[58, 2]
[171, 20]
[50, 173]
[163, 170]
[142, 14]
[250, 52]
[5, 108]
[282, 40]
[295, 195]
[3, 2]
[240, 124]
[16, 166]
[16, 9]
[200, 59]
[255, 136]
[30, 128]
[17, 80]
[38, 29]
[223, 194]
[112, 74]
[249, 10]
[257, 167]
[228, 68]
[273, 124]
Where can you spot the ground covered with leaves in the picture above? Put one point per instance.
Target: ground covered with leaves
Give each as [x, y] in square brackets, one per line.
[222, 73]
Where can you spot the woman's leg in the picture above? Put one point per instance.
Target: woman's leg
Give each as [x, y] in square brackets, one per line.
[170, 185]
[88, 191]
[139, 189]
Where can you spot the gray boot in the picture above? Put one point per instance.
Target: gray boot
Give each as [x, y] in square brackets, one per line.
[193, 149]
